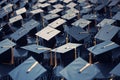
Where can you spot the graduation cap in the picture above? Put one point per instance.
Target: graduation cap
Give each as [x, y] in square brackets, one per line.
[15, 1]
[36, 51]
[116, 16]
[8, 6]
[85, 10]
[55, 11]
[113, 3]
[20, 35]
[101, 8]
[71, 5]
[79, 69]
[37, 14]
[50, 17]
[47, 33]
[16, 21]
[58, 6]
[21, 11]
[105, 22]
[6, 51]
[30, 69]
[103, 47]
[44, 5]
[69, 17]
[107, 32]
[73, 12]
[78, 33]
[67, 1]
[68, 52]
[116, 70]
[81, 23]
[52, 1]
[5, 11]
[37, 11]
[32, 27]
[58, 22]
[90, 16]
[41, 1]
[81, 1]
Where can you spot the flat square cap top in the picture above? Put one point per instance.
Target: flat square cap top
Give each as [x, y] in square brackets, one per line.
[66, 47]
[58, 22]
[114, 3]
[72, 10]
[19, 33]
[47, 33]
[116, 70]
[81, 1]
[79, 69]
[58, 6]
[71, 5]
[81, 22]
[78, 33]
[69, 16]
[43, 5]
[8, 6]
[105, 22]
[21, 11]
[50, 16]
[30, 69]
[35, 48]
[99, 7]
[24, 29]
[41, 1]
[15, 19]
[36, 11]
[90, 16]
[103, 47]
[107, 32]
[6, 45]
[116, 16]
[54, 11]
[67, 1]
[85, 10]
[31, 24]
[52, 1]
